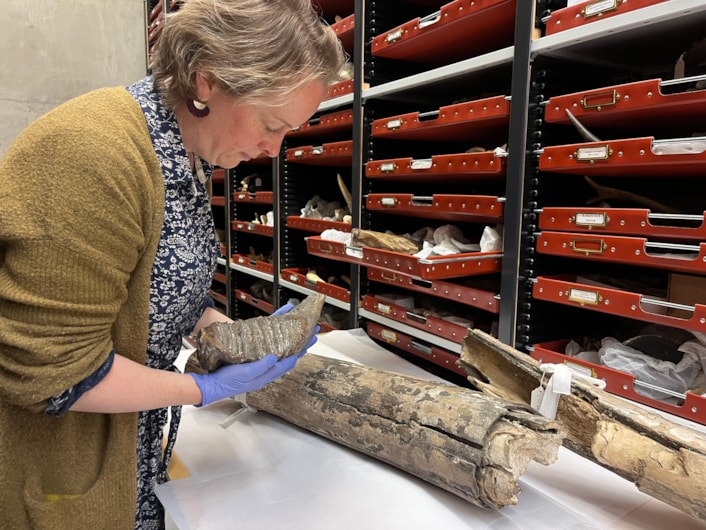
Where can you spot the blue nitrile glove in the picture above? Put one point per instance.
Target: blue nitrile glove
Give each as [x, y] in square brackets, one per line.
[234, 379]
[286, 308]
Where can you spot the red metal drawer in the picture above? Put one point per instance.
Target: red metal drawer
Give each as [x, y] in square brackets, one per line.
[253, 228]
[472, 121]
[316, 225]
[587, 12]
[459, 208]
[218, 176]
[628, 250]
[344, 30]
[462, 166]
[628, 105]
[460, 29]
[328, 154]
[298, 276]
[259, 197]
[472, 296]
[258, 265]
[568, 290]
[457, 265]
[619, 383]
[430, 353]
[633, 157]
[340, 89]
[435, 326]
[624, 221]
[332, 123]
[255, 302]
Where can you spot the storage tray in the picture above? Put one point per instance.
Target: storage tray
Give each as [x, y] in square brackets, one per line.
[344, 30]
[219, 277]
[424, 351]
[218, 176]
[587, 12]
[249, 299]
[472, 121]
[435, 326]
[331, 123]
[254, 264]
[633, 157]
[438, 267]
[482, 299]
[259, 197]
[328, 154]
[624, 221]
[298, 276]
[218, 200]
[568, 290]
[459, 30]
[462, 166]
[316, 225]
[253, 228]
[619, 383]
[623, 249]
[458, 208]
[630, 104]
[340, 89]
[218, 297]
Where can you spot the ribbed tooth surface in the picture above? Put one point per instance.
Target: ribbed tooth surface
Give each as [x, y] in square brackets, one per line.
[248, 340]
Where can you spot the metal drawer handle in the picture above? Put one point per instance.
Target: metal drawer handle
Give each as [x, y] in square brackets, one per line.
[612, 99]
[584, 296]
[596, 9]
[591, 154]
[587, 246]
[326, 248]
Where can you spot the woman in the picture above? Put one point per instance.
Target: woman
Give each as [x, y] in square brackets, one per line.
[107, 250]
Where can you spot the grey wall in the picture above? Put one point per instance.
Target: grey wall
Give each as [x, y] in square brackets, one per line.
[52, 50]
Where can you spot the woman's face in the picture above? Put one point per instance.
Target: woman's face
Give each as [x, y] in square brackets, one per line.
[232, 133]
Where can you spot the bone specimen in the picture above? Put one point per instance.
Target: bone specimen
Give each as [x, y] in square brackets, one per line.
[381, 240]
[583, 131]
[604, 192]
[345, 192]
[252, 339]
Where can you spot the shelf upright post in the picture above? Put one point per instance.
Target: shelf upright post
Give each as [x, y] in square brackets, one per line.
[358, 149]
[514, 186]
[228, 236]
[279, 194]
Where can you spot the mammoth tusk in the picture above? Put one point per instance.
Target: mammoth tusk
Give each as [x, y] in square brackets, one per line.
[585, 133]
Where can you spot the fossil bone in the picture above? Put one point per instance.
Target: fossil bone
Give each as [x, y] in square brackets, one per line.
[583, 131]
[382, 240]
[313, 277]
[252, 339]
[604, 193]
[345, 192]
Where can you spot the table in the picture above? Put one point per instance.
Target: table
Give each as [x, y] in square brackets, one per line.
[251, 470]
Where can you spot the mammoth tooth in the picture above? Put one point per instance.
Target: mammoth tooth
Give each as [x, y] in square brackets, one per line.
[248, 340]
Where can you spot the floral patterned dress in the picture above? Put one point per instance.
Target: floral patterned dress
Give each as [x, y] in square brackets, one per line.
[181, 278]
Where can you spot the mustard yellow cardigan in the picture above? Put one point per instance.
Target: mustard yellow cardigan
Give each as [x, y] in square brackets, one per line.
[81, 210]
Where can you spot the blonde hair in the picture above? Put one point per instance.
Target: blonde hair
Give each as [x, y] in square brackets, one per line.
[256, 50]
